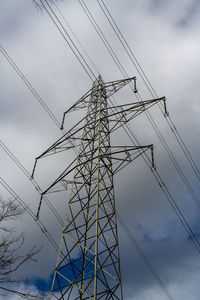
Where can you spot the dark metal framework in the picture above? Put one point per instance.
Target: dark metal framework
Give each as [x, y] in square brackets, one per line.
[88, 263]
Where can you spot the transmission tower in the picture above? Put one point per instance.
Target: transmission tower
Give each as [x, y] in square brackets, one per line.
[88, 263]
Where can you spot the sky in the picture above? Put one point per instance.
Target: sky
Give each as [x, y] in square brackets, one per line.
[164, 36]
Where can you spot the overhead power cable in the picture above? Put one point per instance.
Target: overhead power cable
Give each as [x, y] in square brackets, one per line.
[28, 175]
[145, 258]
[109, 48]
[135, 243]
[137, 246]
[103, 38]
[139, 98]
[193, 196]
[32, 89]
[164, 189]
[75, 37]
[185, 228]
[21, 76]
[167, 194]
[30, 212]
[29, 85]
[148, 84]
[33, 181]
[68, 39]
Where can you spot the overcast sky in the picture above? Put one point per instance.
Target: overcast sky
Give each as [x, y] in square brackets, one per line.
[164, 36]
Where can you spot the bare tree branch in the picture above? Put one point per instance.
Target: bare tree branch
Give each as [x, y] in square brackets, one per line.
[10, 210]
[11, 249]
[38, 5]
[23, 295]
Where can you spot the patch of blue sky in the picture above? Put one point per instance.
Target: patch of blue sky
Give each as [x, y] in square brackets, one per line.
[70, 272]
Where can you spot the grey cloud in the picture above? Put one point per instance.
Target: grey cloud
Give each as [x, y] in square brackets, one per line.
[171, 59]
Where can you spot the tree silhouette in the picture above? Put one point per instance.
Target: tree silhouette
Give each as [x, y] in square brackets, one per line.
[11, 248]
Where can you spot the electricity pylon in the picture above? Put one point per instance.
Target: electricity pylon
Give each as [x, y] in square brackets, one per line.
[88, 263]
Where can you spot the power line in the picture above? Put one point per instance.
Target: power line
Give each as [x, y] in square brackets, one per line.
[139, 98]
[33, 181]
[174, 161]
[172, 157]
[170, 199]
[29, 85]
[30, 212]
[43, 229]
[165, 190]
[22, 76]
[31, 88]
[148, 84]
[145, 258]
[68, 39]
[28, 175]
[188, 186]
[75, 37]
[103, 38]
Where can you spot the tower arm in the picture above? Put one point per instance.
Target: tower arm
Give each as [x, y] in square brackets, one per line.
[122, 114]
[110, 88]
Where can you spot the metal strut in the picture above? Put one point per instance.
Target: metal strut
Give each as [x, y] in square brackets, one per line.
[88, 263]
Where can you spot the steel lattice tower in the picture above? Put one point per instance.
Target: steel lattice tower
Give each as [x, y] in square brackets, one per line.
[88, 263]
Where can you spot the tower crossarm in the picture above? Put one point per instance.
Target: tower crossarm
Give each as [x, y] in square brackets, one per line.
[109, 88]
[117, 116]
[81, 103]
[113, 86]
[123, 155]
[118, 156]
[88, 262]
[122, 114]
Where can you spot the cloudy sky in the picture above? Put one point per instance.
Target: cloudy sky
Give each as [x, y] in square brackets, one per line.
[164, 36]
